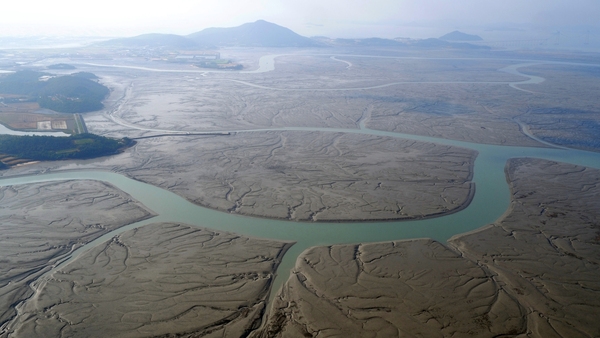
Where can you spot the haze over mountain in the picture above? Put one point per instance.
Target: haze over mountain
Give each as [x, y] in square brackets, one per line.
[493, 20]
[266, 34]
[460, 36]
[155, 40]
[255, 34]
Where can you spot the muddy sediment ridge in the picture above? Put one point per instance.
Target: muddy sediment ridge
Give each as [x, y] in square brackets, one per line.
[43, 223]
[532, 273]
[159, 279]
[304, 176]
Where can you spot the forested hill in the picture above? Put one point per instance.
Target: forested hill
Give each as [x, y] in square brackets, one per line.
[76, 93]
[49, 148]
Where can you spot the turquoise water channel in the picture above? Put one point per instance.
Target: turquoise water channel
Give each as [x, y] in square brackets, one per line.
[491, 200]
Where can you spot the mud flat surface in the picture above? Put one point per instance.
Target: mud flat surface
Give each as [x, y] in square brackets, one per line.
[479, 113]
[562, 110]
[565, 117]
[298, 175]
[546, 251]
[216, 102]
[42, 223]
[303, 175]
[159, 279]
[534, 273]
[460, 99]
[313, 176]
[416, 288]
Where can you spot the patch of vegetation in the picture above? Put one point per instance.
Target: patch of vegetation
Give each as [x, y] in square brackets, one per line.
[26, 82]
[72, 94]
[76, 93]
[49, 148]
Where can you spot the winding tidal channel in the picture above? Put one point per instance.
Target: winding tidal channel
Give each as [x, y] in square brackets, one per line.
[491, 200]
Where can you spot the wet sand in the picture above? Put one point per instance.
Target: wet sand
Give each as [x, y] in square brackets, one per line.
[159, 279]
[533, 273]
[40, 224]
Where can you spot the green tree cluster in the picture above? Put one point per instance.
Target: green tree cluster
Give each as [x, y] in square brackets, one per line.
[76, 93]
[25, 82]
[48, 148]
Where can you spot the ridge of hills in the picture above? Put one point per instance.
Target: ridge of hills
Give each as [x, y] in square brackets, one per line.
[254, 34]
[460, 36]
[266, 34]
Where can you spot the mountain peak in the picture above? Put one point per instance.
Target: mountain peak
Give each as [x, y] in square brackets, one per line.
[260, 33]
[460, 36]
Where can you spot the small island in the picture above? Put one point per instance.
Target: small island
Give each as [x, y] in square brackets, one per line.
[50, 148]
[76, 93]
[23, 92]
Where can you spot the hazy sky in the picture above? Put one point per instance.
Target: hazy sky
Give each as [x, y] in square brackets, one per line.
[334, 18]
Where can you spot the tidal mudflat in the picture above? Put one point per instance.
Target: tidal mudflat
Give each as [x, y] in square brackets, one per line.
[159, 279]
[42, 223]
[303, 176]
[299, 142]
[307, 176]
[469, 97]
[532, 273]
